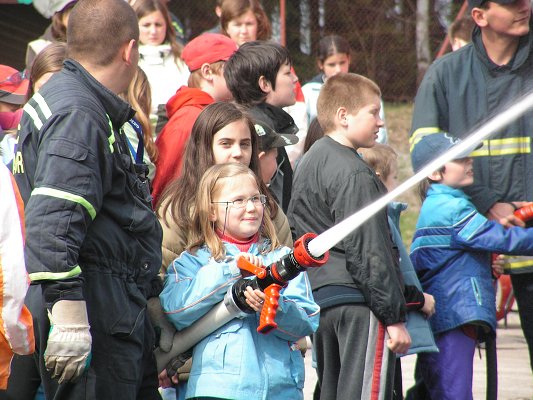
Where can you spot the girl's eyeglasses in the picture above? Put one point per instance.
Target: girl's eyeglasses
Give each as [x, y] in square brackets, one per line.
[15, 78]
[258, 200]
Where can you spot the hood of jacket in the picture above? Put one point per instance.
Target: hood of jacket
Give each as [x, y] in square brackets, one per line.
[186, 96]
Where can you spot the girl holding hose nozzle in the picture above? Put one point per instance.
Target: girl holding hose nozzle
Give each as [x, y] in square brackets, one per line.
[229, 221]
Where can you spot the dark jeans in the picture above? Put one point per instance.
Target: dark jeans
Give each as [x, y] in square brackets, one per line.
[523, 293]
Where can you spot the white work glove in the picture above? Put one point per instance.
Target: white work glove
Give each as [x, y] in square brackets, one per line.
[67, 353]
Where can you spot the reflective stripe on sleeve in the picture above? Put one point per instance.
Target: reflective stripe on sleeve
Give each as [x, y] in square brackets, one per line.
[60, 194]
[420, 133]
[502, 147]
[43, 106]
[111, 138]
[28, 109]
[52, 276]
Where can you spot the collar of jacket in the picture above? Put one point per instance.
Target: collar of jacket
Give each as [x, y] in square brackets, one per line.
[118, 110]
[438, 188]
[520, 57]
[280, 120]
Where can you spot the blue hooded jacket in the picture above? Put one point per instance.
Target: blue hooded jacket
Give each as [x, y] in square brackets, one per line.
[235, 361]
[451, 253]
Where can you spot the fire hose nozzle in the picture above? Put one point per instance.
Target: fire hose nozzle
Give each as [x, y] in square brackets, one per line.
[273, 278]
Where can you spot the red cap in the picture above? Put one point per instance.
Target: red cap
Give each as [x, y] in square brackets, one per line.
[207, 48]
[13, 85]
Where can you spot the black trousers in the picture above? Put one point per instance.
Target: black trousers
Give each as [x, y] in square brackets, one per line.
[122, 363]
[523, 292]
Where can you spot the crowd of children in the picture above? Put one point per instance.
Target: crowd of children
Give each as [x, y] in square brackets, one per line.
[216, 162]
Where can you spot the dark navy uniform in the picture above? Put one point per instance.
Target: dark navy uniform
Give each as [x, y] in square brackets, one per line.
[91, 232]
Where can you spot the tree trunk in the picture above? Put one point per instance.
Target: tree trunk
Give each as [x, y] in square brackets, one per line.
[423, 52]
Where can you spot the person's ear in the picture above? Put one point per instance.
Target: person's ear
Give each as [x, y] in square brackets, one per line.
[340, 116]
[264, 84]
[212, 214]
[261, 154]
[435, 176]
[320, 65]
[127, 53]
[479, 17]
[206, 71]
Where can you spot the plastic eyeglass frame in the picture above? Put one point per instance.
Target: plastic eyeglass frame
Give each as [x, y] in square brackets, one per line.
[262, 200]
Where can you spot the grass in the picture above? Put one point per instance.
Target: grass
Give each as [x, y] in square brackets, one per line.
[398, 119]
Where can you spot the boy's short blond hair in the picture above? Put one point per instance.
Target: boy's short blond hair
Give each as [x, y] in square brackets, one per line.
[351, 91]
[196, 78]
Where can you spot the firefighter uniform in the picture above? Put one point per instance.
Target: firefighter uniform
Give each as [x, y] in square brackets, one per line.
[91, 231]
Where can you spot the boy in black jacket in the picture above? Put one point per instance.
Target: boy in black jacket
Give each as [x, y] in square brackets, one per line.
[359, 290]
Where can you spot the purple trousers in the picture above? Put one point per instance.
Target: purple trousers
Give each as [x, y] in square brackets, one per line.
[448, 374]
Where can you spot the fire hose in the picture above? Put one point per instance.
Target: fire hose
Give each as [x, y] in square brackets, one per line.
[311, 250]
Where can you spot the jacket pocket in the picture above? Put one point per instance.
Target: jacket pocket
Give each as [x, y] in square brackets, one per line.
[141, 216]
[221, 352]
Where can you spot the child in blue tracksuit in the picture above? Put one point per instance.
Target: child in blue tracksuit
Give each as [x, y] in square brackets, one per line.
[235, 361]
[451, 253]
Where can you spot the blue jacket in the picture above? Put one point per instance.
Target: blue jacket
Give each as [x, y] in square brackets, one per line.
[418, 326]
[235, 361]
[451, 253]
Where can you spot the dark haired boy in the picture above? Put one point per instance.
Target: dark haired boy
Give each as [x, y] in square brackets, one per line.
[259, 76]
[359, 290]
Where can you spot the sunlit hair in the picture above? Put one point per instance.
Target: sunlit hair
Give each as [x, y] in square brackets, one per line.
[381, 158]
[58, 29]
[331, 45]
[248, 64]
[314, 132]
[139, 96]
[195, 78]
[347, 90]
[89, 20]
[423, 186]
[198, 157]
[202, 230]
[462, 29]
[50, 59]
[145, 7]
[232, 9]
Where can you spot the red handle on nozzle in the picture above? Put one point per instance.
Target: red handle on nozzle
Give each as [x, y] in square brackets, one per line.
[246, 265]
[525, 213]
[270, 307]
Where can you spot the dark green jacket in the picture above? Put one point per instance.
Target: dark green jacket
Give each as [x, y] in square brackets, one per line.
[462, 90]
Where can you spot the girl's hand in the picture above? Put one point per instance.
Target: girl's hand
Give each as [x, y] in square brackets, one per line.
[256, 260]
[429, 305]
[255, 298]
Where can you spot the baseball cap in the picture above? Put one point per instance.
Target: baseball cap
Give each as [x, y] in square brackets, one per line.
[47, 8]
[432, 146]
[13, 85]
[270, 139]
[477, 3]
[207, 48]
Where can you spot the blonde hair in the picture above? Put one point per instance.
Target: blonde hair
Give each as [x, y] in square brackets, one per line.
[202, 231]
[380, 158]
[348, 90]
[139, 95]
[195, 78]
